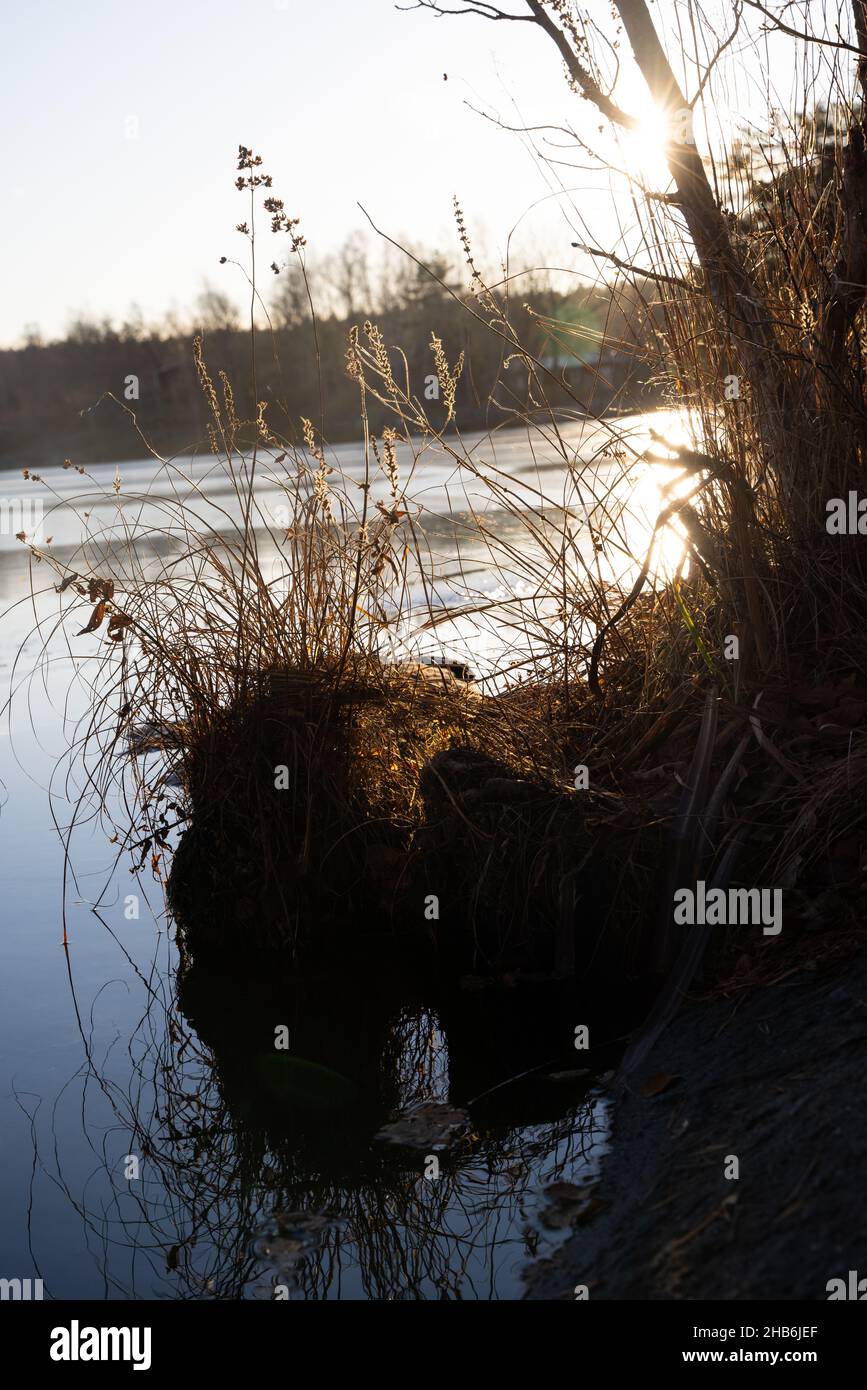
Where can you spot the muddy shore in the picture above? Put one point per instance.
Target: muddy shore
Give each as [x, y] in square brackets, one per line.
[774, 1076]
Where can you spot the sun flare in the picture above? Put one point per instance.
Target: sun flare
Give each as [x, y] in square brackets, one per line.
[646, 143]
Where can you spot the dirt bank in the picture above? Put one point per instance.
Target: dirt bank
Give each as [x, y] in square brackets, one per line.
[774, 1076]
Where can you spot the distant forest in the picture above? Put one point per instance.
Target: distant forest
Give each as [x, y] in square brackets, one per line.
[598, 340]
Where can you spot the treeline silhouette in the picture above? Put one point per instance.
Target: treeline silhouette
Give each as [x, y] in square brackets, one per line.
[53, 396]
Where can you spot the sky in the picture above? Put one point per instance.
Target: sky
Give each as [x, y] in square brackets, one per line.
[127, 120]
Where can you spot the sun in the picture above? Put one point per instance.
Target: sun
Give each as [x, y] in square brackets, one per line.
[645, 145]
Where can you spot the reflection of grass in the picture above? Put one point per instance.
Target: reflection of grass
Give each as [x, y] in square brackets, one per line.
[293, 1080]
[461, 1236]
[217, 1167]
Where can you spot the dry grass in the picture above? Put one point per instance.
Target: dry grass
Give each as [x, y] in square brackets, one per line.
[258, 673]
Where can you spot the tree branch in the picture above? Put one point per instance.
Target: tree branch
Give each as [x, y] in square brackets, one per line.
[798, 33]
[581, 76]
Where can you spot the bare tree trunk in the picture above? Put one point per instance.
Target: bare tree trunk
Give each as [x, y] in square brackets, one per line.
[732, 290]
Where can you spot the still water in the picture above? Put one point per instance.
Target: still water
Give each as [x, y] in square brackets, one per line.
[151, 1142]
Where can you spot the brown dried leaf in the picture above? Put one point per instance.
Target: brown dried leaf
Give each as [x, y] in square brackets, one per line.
[100, 588]
[657, 1083]
[95, 619]
[392, 514]
[117, 624]
[565, 1192]
[567, 1204]
[430, 1127]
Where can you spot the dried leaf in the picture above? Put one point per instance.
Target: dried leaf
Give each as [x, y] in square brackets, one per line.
[657, 1083]
[392, 514]
[566, 1204]
[565, 1192]
[117, 624]
[100, 588]
[431, 1127]
[95, 619]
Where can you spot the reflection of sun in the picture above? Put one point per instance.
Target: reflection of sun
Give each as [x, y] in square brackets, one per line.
[646, 498]
[646, 501]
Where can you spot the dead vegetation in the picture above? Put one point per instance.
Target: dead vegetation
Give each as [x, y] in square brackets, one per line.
[327, 782]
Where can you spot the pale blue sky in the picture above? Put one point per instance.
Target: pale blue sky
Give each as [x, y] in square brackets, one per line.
[345, 100]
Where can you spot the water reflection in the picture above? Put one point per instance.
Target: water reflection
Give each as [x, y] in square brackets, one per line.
[254, 1170]
[258, 1172]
